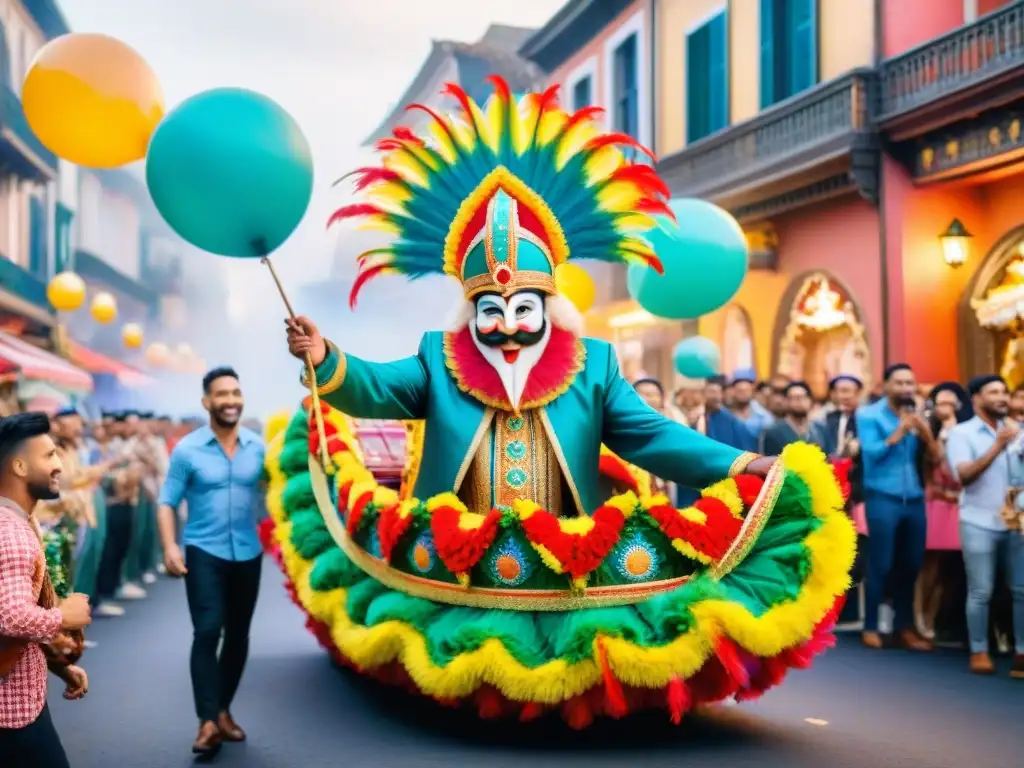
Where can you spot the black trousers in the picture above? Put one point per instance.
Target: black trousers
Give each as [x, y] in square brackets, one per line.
[115, 548]
[34, 746]
[221, 599]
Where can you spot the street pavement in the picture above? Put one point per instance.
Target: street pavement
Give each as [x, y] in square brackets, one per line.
[855, 708]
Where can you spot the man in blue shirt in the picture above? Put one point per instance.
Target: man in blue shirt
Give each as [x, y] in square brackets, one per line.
[892, 437]
[217, 470]
[984, 454]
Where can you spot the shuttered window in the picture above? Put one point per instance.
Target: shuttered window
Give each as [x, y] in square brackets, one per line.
[707, 79]
[581, 93]
[789, 48]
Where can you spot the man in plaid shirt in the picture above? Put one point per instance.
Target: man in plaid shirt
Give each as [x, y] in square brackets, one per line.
[30, 472]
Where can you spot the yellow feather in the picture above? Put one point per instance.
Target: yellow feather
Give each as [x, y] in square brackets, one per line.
[464, 134]
[443, 143]
[390, 195]
[406, 167]
[572, 143]
[550, 124]
[421, 154]
[494, 120]
[489, 137]
[523, 120]
[602, 164]
[379, 224]
[634, 222]
[619, 197]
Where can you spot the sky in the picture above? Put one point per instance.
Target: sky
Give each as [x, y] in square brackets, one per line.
[338, 66]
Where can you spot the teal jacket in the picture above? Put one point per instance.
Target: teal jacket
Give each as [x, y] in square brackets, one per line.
[599, 407]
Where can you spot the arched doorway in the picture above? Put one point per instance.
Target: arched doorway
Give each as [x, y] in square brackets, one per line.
[737, 341]
[820, 333]
[991, 313]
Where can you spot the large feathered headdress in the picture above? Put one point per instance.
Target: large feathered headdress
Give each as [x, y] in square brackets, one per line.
[501, 195]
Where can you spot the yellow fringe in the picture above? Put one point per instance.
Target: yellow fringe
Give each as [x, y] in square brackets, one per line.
[782, 627]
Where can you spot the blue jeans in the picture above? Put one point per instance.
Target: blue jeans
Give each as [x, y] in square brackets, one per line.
[983, 550]
[895, 548]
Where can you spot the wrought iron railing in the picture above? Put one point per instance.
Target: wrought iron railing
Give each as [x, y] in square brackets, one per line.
[802, 125]
[965, 57]
[13, 117]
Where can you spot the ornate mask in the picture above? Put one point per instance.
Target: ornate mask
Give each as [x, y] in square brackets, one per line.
[512, 334]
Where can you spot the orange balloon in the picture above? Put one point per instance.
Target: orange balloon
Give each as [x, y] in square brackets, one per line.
[92, 100]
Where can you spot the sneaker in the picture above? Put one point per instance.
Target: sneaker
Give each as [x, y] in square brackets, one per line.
[1017, 671]
[129, 591]
[108, 610]
[149, 578]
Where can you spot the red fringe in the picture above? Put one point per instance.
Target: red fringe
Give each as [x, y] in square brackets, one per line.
[614, 697]
[677, 698]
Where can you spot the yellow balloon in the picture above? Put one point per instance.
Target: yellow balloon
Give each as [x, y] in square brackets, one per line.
[157, 353]
[103, 308]
[92, 100]
[132, 335]
[576, 285]
[66, 292]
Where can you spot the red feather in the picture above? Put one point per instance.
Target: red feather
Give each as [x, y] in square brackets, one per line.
[548, 99]
[436, 117]
[617, 139]
[354, 211]
[369, 176]
[404, 134]
[653, 206]
[362, 257]
[387, 145]
[500, 87]
[586, 113]
[451, 89]
[642, 176]
[362, 279]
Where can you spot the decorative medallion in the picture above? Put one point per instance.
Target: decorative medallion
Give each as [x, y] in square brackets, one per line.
[502, 274]
[516, 478]
[508, 563]
[422, 553]
[516, 450]
[637, 560]
[514, 423]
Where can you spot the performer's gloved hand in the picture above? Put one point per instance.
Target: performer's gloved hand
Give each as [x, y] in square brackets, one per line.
[303, 337]
[761, 465]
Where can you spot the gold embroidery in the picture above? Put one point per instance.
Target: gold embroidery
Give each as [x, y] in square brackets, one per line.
[519, 281]
[739, 466]
[753, 523]
[337, 378]
[475, 491]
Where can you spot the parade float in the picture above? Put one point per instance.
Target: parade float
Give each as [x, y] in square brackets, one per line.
[525, 566]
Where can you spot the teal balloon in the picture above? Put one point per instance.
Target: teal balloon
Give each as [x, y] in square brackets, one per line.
[704, 253]
[697, 358]
[231, 172]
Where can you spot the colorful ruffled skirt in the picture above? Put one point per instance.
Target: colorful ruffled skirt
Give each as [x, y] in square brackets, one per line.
[517, 613]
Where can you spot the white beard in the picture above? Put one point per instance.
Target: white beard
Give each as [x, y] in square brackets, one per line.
[513, 375]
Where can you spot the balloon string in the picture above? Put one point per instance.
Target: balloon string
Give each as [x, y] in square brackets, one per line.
[318, 415]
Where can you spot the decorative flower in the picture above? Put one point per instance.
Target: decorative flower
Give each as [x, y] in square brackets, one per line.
[577, 545]
[460, 537]
[392, 523]
[704, 531]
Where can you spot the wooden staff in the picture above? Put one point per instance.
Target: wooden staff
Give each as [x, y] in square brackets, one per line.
[310, 368]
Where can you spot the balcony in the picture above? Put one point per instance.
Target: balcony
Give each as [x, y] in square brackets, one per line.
[24, 154]
[90, 266]
[818, 144]
[24, 292]
[973, 68]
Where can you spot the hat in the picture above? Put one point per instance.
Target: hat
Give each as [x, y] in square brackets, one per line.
[503, 194]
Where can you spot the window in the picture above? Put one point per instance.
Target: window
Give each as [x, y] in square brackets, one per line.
[707, 79]
[625, 103]
[37, 263]
[62, 238]
[789, 48]
[581, 93]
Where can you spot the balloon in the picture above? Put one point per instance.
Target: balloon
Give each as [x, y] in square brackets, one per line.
[697, 358]
[132, 335]
[705, 258]
[92, 100]
[231, 172]
[183, 350]
[103, 308]
[157, 353]
[575, 283]
[66, 292]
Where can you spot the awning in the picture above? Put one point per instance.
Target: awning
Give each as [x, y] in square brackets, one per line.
[39, 365]
[94, 362]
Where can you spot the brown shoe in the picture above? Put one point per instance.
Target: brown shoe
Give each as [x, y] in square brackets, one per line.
[872, 640]
[229, 729]
[914, 642]
[208, 740]
[1017, 670]
[981, 664]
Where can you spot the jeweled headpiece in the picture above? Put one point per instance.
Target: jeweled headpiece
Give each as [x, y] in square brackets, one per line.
[502, 196]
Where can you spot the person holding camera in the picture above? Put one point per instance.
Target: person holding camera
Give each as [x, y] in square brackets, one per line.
[985, 455]
[893, 435]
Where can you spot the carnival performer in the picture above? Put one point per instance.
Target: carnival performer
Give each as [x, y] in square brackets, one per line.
[517, 407]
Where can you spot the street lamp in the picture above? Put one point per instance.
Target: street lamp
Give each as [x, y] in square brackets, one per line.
[955, 244]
